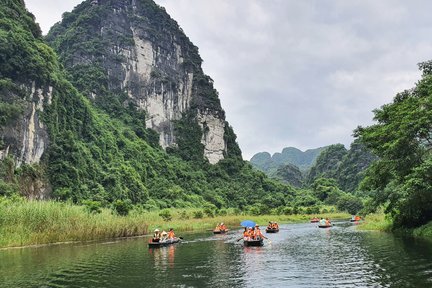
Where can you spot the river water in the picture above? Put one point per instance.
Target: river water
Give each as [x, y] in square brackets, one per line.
[300, 255]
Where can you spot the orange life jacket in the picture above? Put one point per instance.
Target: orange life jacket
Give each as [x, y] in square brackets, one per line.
[171, 234]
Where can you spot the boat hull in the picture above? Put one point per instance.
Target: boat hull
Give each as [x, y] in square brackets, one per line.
[324, 226]
[220, 231]
[272, 230]
[163, 243]
[253, 242]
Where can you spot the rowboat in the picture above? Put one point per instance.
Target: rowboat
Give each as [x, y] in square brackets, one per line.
[272, 230]
[259, 242]
[355, 220]
[220, 231]
[163, 243]
[315, 220]
[324, 226]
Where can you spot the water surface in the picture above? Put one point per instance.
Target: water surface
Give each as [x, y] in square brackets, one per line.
[300, 255]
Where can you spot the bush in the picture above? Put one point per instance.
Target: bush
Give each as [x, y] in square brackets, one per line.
[122, 207]
[254, 211]
[222, 212]
[349, 203]
[166, 215]
[287, 211]
[198, 214]
[183, 215]
[312, 210]
[93, 207]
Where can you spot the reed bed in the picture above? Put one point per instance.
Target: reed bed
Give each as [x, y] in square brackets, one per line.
[41, 222]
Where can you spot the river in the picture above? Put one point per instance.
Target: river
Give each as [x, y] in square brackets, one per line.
[300, 255]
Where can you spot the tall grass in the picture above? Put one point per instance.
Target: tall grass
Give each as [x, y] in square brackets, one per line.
[41, 222]
[377, 222]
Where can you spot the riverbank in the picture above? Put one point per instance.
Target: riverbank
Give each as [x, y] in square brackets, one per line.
[24, 223]
[379, 222]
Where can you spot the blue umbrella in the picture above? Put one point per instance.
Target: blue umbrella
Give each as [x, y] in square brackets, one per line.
[247, 223]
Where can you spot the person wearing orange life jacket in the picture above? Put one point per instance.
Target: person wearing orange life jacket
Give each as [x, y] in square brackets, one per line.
[357, 218]
[275, 225]
[246, 235]
[327, 222]
[222, 227]
[171, 234]
[251, 233]
[257, 233]
[270, 225]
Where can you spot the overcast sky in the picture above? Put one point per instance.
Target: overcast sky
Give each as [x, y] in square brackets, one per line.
[297, 73]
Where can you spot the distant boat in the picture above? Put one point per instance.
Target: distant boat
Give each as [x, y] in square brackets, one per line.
[259, 242]
[220, 231]
[314, 220]
[272, 230]
[325, 226]
[163, 243]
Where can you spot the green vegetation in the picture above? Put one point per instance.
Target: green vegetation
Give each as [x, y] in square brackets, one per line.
[377, 222]
[25, 222]
[101, 158]
[401, 180]
[39, 222]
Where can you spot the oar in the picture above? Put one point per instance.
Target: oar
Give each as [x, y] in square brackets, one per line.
[239, 239]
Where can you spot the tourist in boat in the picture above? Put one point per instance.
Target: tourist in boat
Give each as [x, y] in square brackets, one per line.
[171, 234]
[164, 236]
[156, 235]
[357, 218]
[257, 233]
[322, 222]
[246, 234]
[222, 227]
[327, 222]
[217, 228]
[275, 225]
[251, 233]
[270, 225]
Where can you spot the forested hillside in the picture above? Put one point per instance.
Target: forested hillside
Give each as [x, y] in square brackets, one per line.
[347, 167]
[94, 153]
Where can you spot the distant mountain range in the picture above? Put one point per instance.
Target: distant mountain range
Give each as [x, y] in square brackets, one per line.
[290, 155]
[302, 168]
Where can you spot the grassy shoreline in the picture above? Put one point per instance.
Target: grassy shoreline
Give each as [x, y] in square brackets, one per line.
[34, 223]
[379, 222]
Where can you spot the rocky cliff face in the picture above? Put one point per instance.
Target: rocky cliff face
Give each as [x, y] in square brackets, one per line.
[26, 137]
[147, 61]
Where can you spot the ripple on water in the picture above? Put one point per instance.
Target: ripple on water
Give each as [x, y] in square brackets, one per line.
[300, 255]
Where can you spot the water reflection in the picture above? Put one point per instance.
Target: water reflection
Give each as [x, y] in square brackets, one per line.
[300, 255]
[163, 257]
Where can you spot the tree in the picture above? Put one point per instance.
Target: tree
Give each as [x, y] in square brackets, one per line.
[402, 139]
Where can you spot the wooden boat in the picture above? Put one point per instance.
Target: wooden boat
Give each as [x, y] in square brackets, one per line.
[163, 243]
[324, 226]
[259, 242]
[220, 231]
[272, 230]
